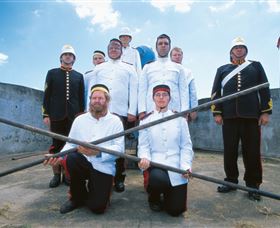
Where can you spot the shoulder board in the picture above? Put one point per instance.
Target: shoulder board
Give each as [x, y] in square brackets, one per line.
[127, 63]
[88, 71]
[148, 114]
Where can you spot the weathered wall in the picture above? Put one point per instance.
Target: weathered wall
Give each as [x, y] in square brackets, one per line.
[207, 135]
[21, 104]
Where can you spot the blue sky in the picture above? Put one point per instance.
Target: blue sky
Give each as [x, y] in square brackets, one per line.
[33, 32]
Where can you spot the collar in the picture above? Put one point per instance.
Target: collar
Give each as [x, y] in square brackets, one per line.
[66, 68]
[238, 62]
[163, 60]
[114, 61]
[161, 113]
[101, 118]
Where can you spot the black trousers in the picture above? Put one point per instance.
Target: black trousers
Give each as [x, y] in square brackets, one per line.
[174, 198]
[249, 133]
[96, 195]
[61, 127]
[120, 162]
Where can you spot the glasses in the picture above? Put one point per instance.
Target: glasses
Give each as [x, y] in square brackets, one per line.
[161, 95]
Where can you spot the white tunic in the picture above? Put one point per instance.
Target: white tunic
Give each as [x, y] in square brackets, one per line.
[122, 82]
[86, 128]
[163, 71]
[131, 56]
[192, 96]
[168, 143]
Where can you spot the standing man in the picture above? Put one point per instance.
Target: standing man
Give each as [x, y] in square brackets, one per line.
[63, 101]
[176, 55]
[241, 117]
[170, 144]
[122, 81]
[162, 71]
[98, 58]
[92, 165]
[130, 55]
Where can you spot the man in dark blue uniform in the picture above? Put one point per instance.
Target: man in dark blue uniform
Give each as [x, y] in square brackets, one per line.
[241, 117]
[63, 100]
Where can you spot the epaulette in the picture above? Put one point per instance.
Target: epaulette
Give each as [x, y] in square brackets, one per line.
[174, 111]
[88, 71]
[128, 63]
[148, 114]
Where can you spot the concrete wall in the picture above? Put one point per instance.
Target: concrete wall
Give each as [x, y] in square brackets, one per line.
[207, 135]
[23, 105]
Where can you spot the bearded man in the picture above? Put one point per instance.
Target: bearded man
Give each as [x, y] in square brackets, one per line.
[92, 171]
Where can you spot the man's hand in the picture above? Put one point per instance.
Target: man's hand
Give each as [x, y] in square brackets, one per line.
[141, 115]
[218, 119]
[193, 115]
[131, 118]
[264, 119]
[47, 121]
[87, 151]
[144, 164]
[188, 174]
[52, 161]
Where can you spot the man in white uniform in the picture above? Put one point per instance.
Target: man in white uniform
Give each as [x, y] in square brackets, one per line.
[122, 81]
[176, 55]
[130, 55]
[92, 165]
[97, 58]
[162, 71]
[168, 143]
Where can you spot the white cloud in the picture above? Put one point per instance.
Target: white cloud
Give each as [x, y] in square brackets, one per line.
[3, 58]
[222, 7]
[100, 12]
[37, 13]
[274, 6]
[179, 6]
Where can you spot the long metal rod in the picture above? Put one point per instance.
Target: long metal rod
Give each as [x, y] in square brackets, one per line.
[137, 128]
[162, 166]
[22, 156]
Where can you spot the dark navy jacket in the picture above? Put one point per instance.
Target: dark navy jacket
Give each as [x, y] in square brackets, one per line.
[251, 105]
[64, 94]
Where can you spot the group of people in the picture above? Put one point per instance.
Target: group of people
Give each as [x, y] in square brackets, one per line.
[121, 91]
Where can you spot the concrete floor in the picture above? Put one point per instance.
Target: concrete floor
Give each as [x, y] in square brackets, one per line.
[26, 200]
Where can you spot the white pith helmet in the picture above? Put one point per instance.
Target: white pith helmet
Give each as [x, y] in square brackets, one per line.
[125, 31]
[67, 49]
[237, 42]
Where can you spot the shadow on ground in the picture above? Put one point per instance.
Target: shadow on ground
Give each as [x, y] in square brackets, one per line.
[26, 201]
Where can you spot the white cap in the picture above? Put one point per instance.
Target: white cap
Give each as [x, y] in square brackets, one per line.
[125, 31]
[238, 41]
[68, 49]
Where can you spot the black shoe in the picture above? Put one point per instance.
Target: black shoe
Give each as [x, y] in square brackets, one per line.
[225, 189]
[254, 196]
[67, 207]
[55, 181]
[119, 186]
[155, 206]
